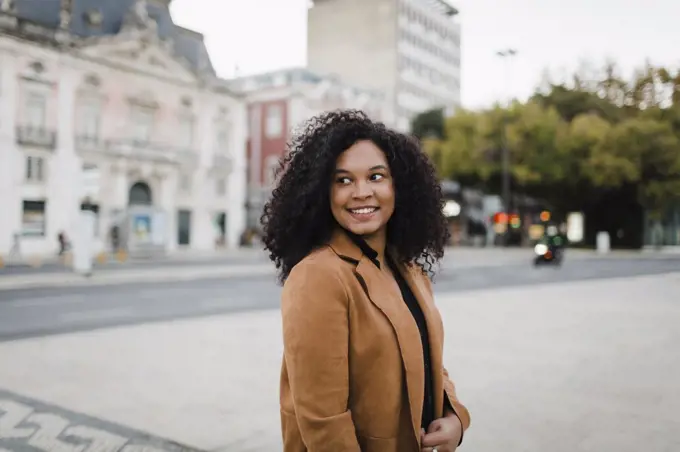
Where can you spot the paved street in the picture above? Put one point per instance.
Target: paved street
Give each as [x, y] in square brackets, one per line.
[579, 366]
[578, 358]
[36, 312]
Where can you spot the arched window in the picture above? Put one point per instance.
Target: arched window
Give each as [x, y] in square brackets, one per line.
[140, 194]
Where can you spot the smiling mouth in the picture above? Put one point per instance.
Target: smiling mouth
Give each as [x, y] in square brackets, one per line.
[363, 210]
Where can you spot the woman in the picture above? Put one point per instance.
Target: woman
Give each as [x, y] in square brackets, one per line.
[354, 227]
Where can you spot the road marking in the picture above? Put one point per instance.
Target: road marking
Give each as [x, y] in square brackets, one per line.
[13, 414]
[54, 429]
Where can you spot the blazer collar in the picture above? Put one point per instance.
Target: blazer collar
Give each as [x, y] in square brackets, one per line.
[351, 246]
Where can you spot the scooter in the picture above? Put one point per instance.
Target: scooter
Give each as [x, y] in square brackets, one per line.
[548, 254]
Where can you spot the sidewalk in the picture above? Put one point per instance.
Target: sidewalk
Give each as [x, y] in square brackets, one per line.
[146, 275]
[110, 258]
[592, 367]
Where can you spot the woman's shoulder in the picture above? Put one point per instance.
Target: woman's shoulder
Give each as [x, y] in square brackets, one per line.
[321, 267]
[321, 261]
[318, 277]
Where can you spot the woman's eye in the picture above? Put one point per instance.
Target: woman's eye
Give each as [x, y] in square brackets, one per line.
[377, 177]
[343, 180]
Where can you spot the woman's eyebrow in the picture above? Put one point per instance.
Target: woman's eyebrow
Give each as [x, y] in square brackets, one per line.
[373, 168]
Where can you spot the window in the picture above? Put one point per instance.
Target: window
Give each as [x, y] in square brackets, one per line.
[33, 219]
[221, 186]
[36, 110]
[89, 118]
[222, 139]
[274, 124]
[35, 170]
[185, 183]
[141, 123]
[186, 131]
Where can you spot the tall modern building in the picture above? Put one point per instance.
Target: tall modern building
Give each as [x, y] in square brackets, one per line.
[409, 49]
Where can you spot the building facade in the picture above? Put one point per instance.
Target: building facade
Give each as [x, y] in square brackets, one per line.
[410, 49]
[278, 103]
[118, 111]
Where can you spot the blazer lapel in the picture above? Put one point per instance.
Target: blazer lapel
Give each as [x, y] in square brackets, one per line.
[382, 294]
[389, 301]
[416, 282]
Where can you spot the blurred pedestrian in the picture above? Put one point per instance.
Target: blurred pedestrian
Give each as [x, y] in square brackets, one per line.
[63, 242]
[115, 238]
[15, 251]
[355, 228]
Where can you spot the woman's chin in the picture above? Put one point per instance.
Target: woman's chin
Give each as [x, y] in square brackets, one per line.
[363, 229]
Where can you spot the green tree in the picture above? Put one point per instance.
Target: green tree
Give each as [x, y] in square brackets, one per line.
[533, 137]
[573, 102]
[459, 154]
[640, 151]
[429, 124]
[607, 145]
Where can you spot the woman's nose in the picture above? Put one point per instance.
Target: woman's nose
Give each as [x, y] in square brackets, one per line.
[362, 190]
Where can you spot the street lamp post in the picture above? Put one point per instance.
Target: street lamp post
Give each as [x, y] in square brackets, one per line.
[506, 55]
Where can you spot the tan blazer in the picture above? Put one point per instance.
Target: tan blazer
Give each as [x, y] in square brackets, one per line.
[352, 377]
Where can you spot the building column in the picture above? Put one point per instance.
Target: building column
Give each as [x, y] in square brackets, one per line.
[166, 202]
[202, 231]
[237, 186]
[11, 164]
[65, 184]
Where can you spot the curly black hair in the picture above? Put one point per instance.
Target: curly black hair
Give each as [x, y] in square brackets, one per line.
[297, 219]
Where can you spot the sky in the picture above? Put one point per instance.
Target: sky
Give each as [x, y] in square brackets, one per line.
[555, 37]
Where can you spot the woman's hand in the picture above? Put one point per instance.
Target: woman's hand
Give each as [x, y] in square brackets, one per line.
[443, 435]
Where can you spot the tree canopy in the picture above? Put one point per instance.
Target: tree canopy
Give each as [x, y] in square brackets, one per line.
[573, 140]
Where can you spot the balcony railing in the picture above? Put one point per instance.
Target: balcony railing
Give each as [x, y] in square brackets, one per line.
[144, 150]
[36, 136]
[136, 150]
[88, 142]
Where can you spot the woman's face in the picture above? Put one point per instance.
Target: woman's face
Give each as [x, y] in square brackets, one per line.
[362, 193]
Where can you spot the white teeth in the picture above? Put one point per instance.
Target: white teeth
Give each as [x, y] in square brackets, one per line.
[365, 210]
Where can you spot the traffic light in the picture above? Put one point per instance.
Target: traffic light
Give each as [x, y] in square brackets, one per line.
[545, 216]
[500, 218]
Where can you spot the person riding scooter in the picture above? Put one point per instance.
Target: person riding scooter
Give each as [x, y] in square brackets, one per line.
[550, 248]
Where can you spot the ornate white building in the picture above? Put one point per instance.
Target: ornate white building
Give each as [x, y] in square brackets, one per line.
[111, 107]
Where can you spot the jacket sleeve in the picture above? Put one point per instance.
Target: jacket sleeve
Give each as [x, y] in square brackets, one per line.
[315, 338]
[452, 403]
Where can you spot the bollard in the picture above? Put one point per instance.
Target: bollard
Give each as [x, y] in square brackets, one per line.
[602, 242]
